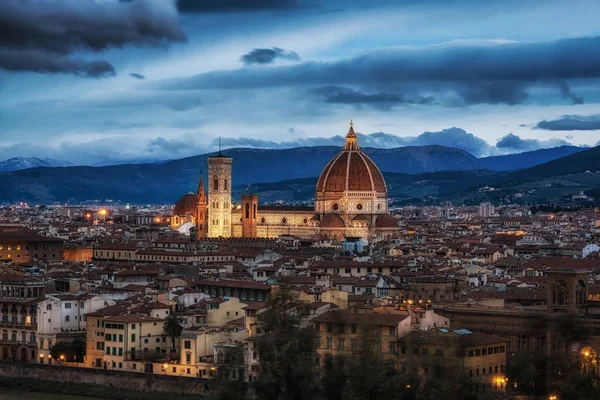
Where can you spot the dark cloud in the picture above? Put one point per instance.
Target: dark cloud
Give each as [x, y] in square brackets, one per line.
[137, 76]
[268, 56]
[44, 62]
[477, 72]
[381, 100]
[233, 5]
[509, 92]
[513, 142]
[43, 36]
[571, 123]
[567, 93]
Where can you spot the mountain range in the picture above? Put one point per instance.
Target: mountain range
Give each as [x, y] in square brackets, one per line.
[19, 163]
[166, 182]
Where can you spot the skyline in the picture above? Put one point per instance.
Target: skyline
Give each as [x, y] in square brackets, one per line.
[148, 80]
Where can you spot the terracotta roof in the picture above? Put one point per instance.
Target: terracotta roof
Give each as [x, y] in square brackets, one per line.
[386, 221]
[233, 284]
[332, 221]
[186, 205]
[351, 170]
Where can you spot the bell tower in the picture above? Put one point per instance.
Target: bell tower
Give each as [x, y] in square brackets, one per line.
[219, 196]
[249, 215]
[201, 212]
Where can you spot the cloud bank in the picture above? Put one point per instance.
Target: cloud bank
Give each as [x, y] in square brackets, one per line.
[54, 36]
[476, 72]
[571, 123]
[268, 56]
[514, 143]
[193, 6]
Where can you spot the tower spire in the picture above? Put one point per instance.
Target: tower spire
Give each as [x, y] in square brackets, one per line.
[201, 192]
[351, 144]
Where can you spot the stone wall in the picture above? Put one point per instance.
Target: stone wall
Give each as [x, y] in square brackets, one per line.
[110, 379]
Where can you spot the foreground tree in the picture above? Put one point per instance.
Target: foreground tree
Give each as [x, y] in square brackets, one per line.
[286, 352]
[173, 329]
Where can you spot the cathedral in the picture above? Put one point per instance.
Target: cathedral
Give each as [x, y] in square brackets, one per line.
[350, 202]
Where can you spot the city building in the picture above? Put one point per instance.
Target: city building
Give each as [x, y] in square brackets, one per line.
[350, 201]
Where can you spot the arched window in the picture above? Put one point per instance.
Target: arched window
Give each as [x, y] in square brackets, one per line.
[560, 293]
[580, 298]
[215, 183]
[225, 185]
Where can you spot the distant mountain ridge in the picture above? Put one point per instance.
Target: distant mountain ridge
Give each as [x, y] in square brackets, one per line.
[166, 182]
[19, 163]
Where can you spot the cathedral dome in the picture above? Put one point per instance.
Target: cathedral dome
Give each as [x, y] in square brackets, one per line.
[386, 221]
[186, 205]
[332, 221]
[351, 170]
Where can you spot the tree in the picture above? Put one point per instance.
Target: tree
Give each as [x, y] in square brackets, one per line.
[288, 366]
[231, 374]
[173, 328]
[69, 351]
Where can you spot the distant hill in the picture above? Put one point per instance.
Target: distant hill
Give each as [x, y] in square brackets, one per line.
[19, 163]
[527, 159]
[166, 182]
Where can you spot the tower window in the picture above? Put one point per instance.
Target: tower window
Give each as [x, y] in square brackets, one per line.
[247, 210]
[215, 183]
[255, 211]
[225, 186]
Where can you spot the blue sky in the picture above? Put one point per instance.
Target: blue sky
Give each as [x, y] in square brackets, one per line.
[106, 81]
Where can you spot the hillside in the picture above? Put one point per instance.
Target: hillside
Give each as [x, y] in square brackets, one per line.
[166, 182]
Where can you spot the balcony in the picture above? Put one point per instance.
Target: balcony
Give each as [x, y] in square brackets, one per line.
[18, 342]
[17, 325]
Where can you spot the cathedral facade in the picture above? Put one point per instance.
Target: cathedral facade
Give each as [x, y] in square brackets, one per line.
[350, 201]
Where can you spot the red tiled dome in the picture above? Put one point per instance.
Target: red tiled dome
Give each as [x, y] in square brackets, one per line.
[332, 221]
[386, 221]
[186, 205]
[351, 169]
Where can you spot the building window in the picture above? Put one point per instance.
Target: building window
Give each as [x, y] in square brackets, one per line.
[67, 305]
[439, 352]
[523, 343]
[133, 337]
[353, 329]
[216, 183]
[67, 318]
[354, 344]
[187, 344]
[329, 343]
[342, 344]
[392, 347]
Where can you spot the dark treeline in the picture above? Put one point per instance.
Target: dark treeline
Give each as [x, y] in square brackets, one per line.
[291, 368]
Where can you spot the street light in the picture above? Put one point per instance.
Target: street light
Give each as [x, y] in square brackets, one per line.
[553, 397]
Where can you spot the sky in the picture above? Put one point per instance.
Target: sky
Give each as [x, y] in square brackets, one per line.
[98, 82]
